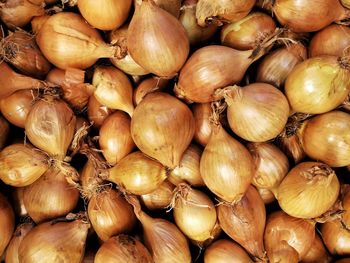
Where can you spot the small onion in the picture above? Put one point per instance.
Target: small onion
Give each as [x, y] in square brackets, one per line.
[172, 6]
[201, 114]
[147, 86]
[4, 131]
[266, 195]
[317, 252]
[159, 198]
[244, 222]
[37, 22]
[7, 225]
[97, 112]
[18, 202]
[291, 146]
[123, 248]
[336, 237]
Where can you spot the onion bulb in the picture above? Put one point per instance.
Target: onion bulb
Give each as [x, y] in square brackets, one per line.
[291, 146]
[156, 40]
[266, 195]
[67, 41]
[325, 138]
[123, 248]
[50, 196]
[271, 165]
[317, 252]
[346, 207]
[18, 202]
[115, 137]
[147, 86]
[110, 214]
[201, 114]
[138, 173]
[162, 127]
[244, 222]
[97, 112]
[224, 250]
[159, 198]
[285, 235]
[318, 84]
[4, 131]
[336, 237]
[55, 242]
[163, 239]
[37, 22]
[172, 6]
[105, 15]
[7, 225]
[113, 89]
[21, 165]
[50, 126]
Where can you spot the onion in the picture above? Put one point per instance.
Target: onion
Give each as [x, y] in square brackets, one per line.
[123, 248]
[290, 144]
[271, 165]
[318, 85]
[37, 22]
[244, 222]
[55, 242]
[209, 11]
[163, 239]
[18, 202]
[113, 89]
[225, 251]
[50, 196]
[266, 195]
[12, 250]
[156, 40]
[162, 127]
[345, 3]
[115, 138]
[110, 214]
[194, 213]
[296, 15]
[346, 207]
[172, 6]
[50, 126]
[105, 15]
[16, 107]
[248, 32]
[4, 131]
[285, 235]
[323, 138]
[344, 260]
[138, 173]
[196, 34]
[188, 169]
[147, 86]
[97, 112]
[276, 66]
[332, 40]
[21, 51]
[257, 112]
[21, 165]
[18, 13]
[159, 198]
[317, 252]
[201, 114]
[7, 225]
[336, 237]
[67, 41]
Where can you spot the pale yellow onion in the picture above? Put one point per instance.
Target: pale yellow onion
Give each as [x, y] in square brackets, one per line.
[148, 85]
[267, 195]
[113, 89]
[202, 113]
[159, 198]
[4, 131]
[317, 252]
[21, 165]
[7, 225]
[97, 112]
[336, 237]
[162, 127]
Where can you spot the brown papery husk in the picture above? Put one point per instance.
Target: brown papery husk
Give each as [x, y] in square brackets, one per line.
[121, 249]
[7, 225]
[20, 50]
[244, 222]
[162, 127]
[159, 198]
[37, 22]
[222, 11]
[296, 233]
[4, 131]
[97, 112]
[83, 45]
[22, 230]
[317, 252]
[163, 239]
[201, 114]
[55, 241]
[276, 66]
[18, 13]
[336, 237]
[147, 86]
[21, 165]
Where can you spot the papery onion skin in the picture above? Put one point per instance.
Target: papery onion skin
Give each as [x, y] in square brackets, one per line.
[7, 225]
[123, 248]
[147, 86]
[325, 138]
[97, 112]
[317, 252]
[267, 195]
[201, 114]
[159, 198]
[224, 250]
[4, 131]
[291, 146]
[162, 127]
[336, 237]
[318, 85]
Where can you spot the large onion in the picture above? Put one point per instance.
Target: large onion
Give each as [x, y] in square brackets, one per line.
[336, 237]
[7, 225]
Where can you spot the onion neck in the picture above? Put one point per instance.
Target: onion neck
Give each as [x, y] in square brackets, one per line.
[109, 51]
[321, 174]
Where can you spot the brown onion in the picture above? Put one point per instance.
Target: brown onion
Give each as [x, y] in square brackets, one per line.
[97, 112]
[37, 22]
[147, 86]
[224, 250]
[159, 198]
[50, 196]
[323, 138]
[344, 260]
[266, 195]
[110, 214]
[336, 237]
[123, 248]
[172, 6]
[138, 173]
[318, 84]
[285, 235]
[332, 40]
[162, 127]
[346, 208]
[156, 40]
[201, 114]
[115, 137]
[317, 252]
[276, 66]
[21, 165]
[4, 131]
[244, 222]
[67, 41]
[18, 202]
[7, 225]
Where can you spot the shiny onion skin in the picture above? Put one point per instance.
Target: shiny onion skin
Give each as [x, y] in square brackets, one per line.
[201, 114]
[7, 225]
[325, 138]
[156, 40]
[317, 252]
[37, 22]
[318, 84]
[162, 127]
[336, 237]
[4, 131]
[18, 202]
[267, 195]
[159, 198]
[97, 112]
